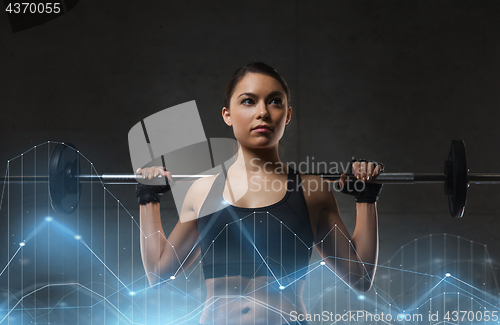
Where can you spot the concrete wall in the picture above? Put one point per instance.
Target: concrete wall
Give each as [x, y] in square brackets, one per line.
[392, 81]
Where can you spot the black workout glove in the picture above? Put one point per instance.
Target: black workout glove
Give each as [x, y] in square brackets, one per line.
[363, 193]
[150, 193]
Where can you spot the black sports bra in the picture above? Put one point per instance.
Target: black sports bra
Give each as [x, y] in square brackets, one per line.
[275, 240]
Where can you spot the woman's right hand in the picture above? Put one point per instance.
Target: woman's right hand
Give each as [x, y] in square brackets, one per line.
[154, 171]
[146, 193]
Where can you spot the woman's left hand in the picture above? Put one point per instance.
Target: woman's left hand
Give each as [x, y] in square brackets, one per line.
[363, 170]
[366, 170]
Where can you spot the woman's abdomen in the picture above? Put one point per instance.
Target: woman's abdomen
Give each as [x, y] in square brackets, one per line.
[241, 300]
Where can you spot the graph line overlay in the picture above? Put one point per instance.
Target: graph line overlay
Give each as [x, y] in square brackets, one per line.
[86, 268]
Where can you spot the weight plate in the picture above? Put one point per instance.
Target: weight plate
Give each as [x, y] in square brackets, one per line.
[456, 174]
[64, 185]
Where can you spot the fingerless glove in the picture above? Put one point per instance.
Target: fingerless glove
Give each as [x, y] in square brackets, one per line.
[150, 193]
[368, 193]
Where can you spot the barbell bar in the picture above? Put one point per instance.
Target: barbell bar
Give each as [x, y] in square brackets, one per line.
[384, 178]
[65, 179]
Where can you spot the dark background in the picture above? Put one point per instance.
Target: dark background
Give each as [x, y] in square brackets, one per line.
[393, 81]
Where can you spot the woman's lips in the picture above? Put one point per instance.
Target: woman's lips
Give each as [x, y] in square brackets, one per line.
[259, 129]
[262, 128]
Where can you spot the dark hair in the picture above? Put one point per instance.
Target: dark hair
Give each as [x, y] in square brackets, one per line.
[254, 67]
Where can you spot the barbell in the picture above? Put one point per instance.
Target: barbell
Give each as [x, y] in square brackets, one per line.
[65, 178]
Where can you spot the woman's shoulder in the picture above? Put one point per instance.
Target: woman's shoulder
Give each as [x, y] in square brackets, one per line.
[203, 183]
[315, 188]
[319, 197]
[200, 188]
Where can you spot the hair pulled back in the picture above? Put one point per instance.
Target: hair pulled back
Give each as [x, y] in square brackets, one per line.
[254, 67]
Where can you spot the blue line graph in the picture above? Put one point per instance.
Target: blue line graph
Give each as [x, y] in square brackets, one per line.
[88, 268]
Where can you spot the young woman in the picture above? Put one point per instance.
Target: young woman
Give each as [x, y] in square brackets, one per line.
[255, 250]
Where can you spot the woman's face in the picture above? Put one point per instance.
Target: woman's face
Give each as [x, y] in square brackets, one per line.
[258, 111]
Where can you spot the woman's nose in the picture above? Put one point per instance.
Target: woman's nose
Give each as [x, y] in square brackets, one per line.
[262, 111]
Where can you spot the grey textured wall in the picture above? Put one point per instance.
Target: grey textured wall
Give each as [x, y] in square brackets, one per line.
[393, 81]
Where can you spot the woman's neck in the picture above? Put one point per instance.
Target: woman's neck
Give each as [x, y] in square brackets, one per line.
[257, 160]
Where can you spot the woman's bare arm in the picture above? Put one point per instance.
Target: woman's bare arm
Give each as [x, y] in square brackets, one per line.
[164, 257]
[353, 258]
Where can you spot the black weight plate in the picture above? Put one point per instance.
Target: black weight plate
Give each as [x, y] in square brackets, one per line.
[64, 185]
[457, 166]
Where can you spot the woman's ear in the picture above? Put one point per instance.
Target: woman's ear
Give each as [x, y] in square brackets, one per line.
[226, 116]
[288, 115]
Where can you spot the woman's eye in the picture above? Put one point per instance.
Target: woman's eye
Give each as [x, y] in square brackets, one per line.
[276, 101]
[247, 101]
